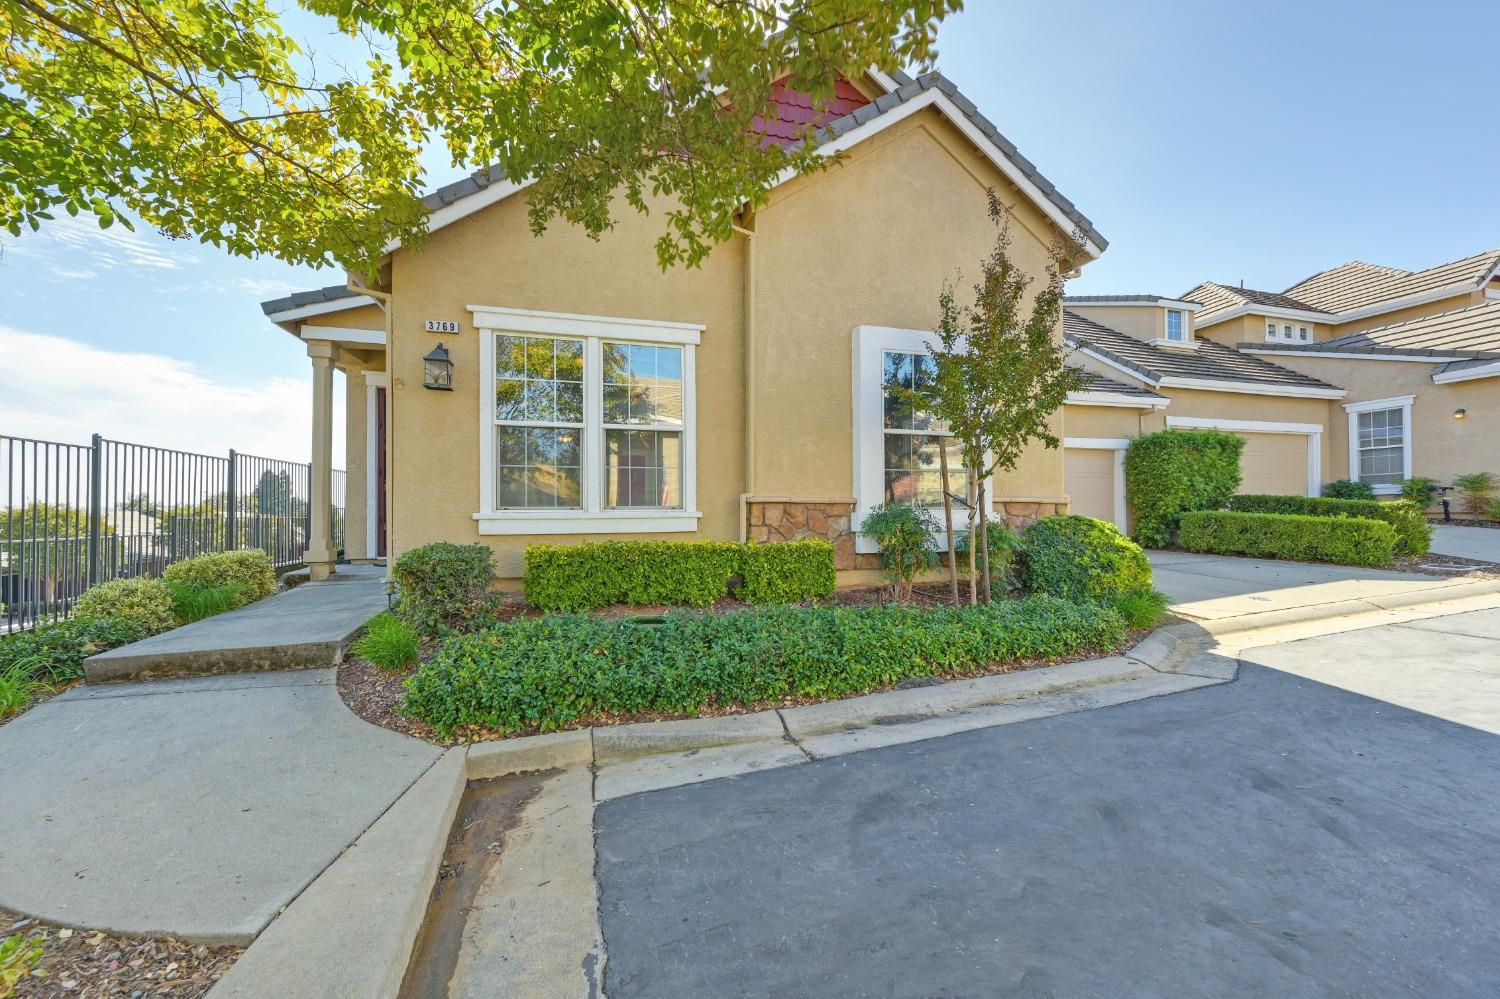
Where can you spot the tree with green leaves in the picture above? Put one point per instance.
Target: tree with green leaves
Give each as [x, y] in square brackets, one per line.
[210, 120]
[1000, 375]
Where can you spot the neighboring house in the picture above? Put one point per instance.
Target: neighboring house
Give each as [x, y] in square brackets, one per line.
[594, 396]
[1417, 351]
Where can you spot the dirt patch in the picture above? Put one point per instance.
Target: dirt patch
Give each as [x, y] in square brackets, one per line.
[1433, 564]
[488, 811]
[91, 965]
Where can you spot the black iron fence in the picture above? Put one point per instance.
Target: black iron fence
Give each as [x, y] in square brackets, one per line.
[73, 516]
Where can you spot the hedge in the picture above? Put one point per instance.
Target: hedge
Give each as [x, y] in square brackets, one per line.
[1080, 558]
[548, 672]
[248, 568]
[444, 587]
[141, 603]
[1344, 540]
[675, 573]
[1413, 533]
[1173, 471]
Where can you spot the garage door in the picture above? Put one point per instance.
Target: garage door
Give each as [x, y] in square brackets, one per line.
[1089, 474]
[1274, 463]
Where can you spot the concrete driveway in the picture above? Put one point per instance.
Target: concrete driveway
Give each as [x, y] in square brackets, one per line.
[1479, 543]
[1275, 836]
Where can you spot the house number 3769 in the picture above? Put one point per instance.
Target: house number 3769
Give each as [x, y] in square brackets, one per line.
[441, 326]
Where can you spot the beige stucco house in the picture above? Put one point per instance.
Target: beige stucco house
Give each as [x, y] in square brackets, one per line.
[594, 396]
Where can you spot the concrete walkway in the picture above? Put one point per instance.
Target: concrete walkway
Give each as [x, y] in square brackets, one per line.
[1479, 543]
[1224, 593]
[196, 807]
[305, 627]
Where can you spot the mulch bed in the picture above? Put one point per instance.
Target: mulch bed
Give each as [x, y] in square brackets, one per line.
[1463, 523]
[1433, 564]
[84, 963]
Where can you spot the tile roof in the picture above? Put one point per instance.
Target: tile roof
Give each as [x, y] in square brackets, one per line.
[1217, 298]
[1106, 299]
[1210, 360]
[298, 299]
[1098, 383]
[1469, 332]
[1358, 284]
[795, 111]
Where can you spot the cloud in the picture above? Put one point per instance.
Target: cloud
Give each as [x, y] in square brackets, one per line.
[259, 287]
[54, 388]
[63, 274]
[72, 243]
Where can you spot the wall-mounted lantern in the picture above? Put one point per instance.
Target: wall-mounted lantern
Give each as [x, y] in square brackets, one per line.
[1459, 414]
[437, 370]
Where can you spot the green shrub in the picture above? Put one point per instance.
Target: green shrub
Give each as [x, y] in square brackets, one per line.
[1348, 490]
[600, 573]
[1343, 540]
[248, 568]
[1477, 490]
[55, 652]
[1419, 489]
[1413, 533]
[787, 572]
[389, 643]
[140, 602]
[19, 957]
[1173, 471]
[905, 536]
[557, 670]
[18, 688]
[444, 587]
[1079, 558]
[195, 601]
[1141, 608]
[1005, 546]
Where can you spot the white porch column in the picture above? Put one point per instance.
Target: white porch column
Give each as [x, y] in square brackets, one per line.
[320, 555]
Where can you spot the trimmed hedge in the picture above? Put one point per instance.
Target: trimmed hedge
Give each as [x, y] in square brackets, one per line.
[557, 670]
[141, 603]
[1079, 558]
[248, 568]
[1173, 471]
[1413, 533]
[676, 573]
[1344, 540]
[443, 586]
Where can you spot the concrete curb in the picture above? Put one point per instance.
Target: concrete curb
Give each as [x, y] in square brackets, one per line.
[552, 751]
[350, 934]
[1345, 609]
[617, 743]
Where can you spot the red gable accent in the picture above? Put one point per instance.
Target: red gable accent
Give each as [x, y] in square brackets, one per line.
[795, 111]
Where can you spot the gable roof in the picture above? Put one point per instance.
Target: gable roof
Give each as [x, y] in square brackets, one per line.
[1358, 285]
[1097, 388]
[301, 304]
[1220, 298]
[1210, 365]
[1472, 332]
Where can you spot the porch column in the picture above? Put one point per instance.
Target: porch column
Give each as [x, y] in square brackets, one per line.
[319, 556]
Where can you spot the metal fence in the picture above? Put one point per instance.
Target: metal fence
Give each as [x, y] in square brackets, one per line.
[77, 515]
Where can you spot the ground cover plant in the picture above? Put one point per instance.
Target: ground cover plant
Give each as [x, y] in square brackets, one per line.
[1341, 540]
[553, 671]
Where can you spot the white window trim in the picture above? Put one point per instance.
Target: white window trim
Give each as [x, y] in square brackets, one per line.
[593, 518]
[1401, 402]
[373, 380]
[1273, 324]
[1182, 325]
[870, 345]
[1119, 445]
[1313, 431]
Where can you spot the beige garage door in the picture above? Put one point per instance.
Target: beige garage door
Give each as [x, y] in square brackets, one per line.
[1089, 475]
[1274, 463]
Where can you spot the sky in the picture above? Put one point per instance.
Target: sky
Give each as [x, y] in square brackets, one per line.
[1207, 141]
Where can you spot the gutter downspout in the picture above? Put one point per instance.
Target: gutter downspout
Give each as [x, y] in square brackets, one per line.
[384, 300]
[748, 232]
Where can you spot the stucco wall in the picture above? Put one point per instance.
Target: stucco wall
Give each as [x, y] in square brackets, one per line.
[1139, 321]
[1104, 421]
[1252, 329]
[1460, 301]
[365, 317]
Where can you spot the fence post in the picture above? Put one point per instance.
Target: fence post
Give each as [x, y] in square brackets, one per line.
[96, 503]
[231, 519]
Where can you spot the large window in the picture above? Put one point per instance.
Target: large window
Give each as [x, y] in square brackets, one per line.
[913, 437]
[1380, 442]
[588, 424]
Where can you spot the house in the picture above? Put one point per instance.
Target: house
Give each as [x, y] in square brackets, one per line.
[1418, 353]
[593, 396]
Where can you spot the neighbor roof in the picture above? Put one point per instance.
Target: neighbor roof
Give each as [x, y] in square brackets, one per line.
[1123, 299]
[1357, 284]
[1160, 365]
[1218, 298]
[1098, 383]
[1473, 332]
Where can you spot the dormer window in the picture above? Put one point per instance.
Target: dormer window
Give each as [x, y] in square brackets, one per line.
[1176, 331]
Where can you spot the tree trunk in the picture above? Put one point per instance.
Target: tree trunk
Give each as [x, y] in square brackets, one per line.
[984, 545]
[973, 508]
[948, 522]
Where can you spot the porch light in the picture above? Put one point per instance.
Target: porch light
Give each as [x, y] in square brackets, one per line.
[1459, 414]
[437, 370]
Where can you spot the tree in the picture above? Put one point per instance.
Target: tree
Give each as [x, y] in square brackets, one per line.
[208, 120]
[999, 365]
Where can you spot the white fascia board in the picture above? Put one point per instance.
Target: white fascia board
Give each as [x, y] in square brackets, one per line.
[342, 334]
[935, 98]
[574, 324]
[1272, 311]
[1347, 357]
[467, 205]
[884, 79]
[1117, 399]
[1467, 374]
[1251, 388]
[321, 308]
[1394, 402]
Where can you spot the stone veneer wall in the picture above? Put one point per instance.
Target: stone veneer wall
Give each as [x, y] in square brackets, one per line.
[793, 520]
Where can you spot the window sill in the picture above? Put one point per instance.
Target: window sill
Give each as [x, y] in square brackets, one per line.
[1162, 341]
[523, 522]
